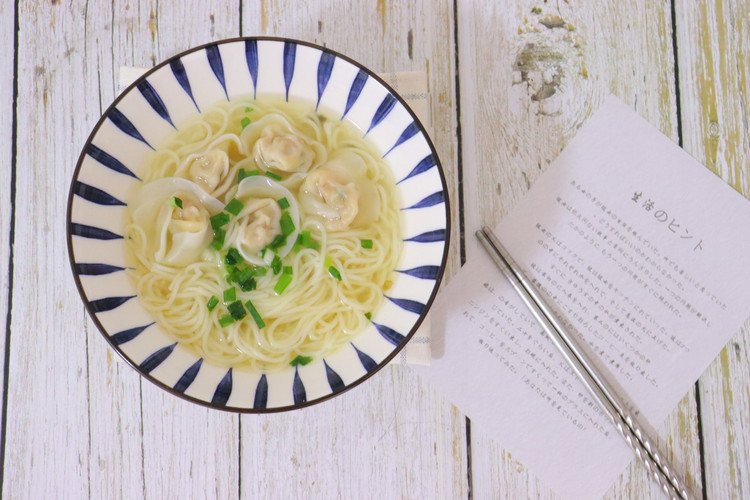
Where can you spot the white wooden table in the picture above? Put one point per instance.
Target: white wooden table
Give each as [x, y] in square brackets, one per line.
[510, 81]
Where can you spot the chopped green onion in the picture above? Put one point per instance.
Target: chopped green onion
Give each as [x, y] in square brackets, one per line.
[218, 242]
[273, 176]
[260, 271]
[287, 224]
[248, 285]
[226, 320]
[283, 282]
[246, 173]
[301, 360]
[288, 270]
[278, 242]
[219, 220]
[328, 261]
[175, 202]
[268, 256]
[212, 302]
[245, 122]
[366, 243]
[296, 248]
[283, 203]
[242, 275]
[276, 264]
[368, 315]
[230, 295]
[334, 272]
[254, 313]
[236, 310]
[248, 109]
[233, 257]
[234, 207]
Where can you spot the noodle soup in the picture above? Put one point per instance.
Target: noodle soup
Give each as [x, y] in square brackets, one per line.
[265, 233]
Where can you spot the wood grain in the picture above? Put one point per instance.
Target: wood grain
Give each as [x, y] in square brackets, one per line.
[392, 437]
[7, 31]
[713, 47]
[530, 75]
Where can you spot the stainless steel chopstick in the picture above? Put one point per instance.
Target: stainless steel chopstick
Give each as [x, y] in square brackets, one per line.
[659, 469]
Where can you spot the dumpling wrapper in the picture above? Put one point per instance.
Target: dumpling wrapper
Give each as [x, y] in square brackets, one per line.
[174, 236]
[340, 193]
[258, 223]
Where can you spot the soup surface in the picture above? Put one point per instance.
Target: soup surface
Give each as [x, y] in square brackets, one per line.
[264, 234]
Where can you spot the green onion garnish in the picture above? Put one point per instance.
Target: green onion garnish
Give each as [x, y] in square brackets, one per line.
[242, 275]
[233, 257]
[175, 202]
[218, 242]
[248, 285]
[245, 122]
[260, 271]
[366, 243]
[234, 207]
[368, 315]
[276, 264]
[273, 176]
[254, 314]
[236, 310]
[301, 360]
[283, 203]
[283, 282]
[246, 173]
[328, 261]
[248, 109]
[288, 270]
[334, 272]
[212, 302]
[287, 224]
[230, 295]
[219, 220]
[267, 255]
[278, 242]
[226, 320]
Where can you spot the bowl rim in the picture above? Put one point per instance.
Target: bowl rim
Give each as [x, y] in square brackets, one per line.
[208, 404]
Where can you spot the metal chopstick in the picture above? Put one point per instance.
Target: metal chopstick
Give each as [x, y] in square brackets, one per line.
[659, 469]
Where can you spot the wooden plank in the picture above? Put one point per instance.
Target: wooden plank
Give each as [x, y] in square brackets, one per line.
[713, 47]
[7, 29]
[392, 437]
[47, 447]
[530, 75]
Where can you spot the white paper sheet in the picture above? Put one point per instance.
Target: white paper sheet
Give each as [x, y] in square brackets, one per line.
[643, 251]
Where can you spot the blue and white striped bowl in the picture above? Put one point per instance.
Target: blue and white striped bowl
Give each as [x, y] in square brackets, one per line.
[175, 90]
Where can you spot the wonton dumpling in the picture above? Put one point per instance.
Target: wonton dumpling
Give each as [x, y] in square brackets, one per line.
[278, 146]
[209, 169]
[340, 193]
[258, 223]
[175, 236]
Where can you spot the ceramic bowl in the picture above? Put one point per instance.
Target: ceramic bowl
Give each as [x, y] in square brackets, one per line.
[163, 98]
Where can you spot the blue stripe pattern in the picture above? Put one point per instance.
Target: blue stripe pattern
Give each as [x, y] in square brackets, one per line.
[424, 165]
[261, 394]
[156, 358]
[92, 232]
[356, 88]
[422, 272]
[223, 390]
[108, 161]
[95, 195]
[325, 67]
[214, 60]
[429, 236]
[178, 70]
[251, 56]
[334, 380]
[408, 305]
[367, 362]
[385, 107]
[407, 134]
[290, 52]
[121, 121]
[389, 334]
[152, 97]
[96, 269]
[298, 389]
[127, 335]
[430, 201]
[109, 303]
[187, 378]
